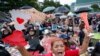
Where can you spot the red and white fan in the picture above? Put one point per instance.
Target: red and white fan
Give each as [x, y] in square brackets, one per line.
[17, 37]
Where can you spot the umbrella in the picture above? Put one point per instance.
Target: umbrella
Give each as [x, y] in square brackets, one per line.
[61, 9]
[48, 9]
[71, 14]
[83, 9]
[26, 7]
[57, 15]
[4, 18]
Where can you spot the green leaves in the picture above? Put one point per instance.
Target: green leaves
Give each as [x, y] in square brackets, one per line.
[95, 7]
[47, 3]
[13, 4]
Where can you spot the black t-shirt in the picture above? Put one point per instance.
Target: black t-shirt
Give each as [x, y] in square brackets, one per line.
[4, 52]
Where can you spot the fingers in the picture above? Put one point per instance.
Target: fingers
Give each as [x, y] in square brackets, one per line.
[12, 23]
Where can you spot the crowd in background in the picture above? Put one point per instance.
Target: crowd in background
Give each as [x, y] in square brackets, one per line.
[40, 35]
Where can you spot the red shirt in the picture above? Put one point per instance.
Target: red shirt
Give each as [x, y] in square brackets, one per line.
[67, 53]
[72, 53]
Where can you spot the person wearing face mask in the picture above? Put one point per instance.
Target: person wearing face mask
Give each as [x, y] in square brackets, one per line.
[33, 41]
[70, 30]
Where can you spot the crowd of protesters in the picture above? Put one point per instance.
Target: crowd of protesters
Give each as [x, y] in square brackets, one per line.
[61, 36]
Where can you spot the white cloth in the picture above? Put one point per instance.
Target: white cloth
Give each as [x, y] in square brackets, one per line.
[13, 51]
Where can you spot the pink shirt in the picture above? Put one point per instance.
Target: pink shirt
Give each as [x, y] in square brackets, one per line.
[46, 43]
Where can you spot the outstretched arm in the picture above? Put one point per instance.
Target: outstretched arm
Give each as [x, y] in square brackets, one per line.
[23, 51]
[85, 44]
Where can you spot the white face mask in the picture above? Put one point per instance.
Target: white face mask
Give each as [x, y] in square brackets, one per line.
[70, 28]
[46, 31]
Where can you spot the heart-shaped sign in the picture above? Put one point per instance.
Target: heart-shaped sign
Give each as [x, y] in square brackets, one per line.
[20, 20]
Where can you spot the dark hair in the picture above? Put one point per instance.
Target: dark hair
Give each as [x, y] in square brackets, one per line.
[31, 29]
[96, 50]
[4, 52]
[57, 39]
[82, 25]
[54, 31]
[40, 37]
[5, 35]
[63, 30]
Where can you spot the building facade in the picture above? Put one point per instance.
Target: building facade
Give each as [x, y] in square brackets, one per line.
[85, 3]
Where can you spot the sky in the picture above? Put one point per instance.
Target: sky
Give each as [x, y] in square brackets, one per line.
[69, 2]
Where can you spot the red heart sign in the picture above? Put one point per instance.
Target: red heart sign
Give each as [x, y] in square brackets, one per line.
[20, 20]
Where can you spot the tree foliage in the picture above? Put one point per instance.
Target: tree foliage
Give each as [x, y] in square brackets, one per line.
[67, 6]
[95, 7]
[47, 3]
[14, 4]
[6, 5]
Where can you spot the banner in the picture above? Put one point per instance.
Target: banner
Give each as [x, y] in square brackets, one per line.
[96, 36]
[84, 17]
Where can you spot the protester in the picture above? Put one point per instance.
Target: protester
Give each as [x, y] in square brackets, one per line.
[58, 48]
[60, 36]
[33, 41]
